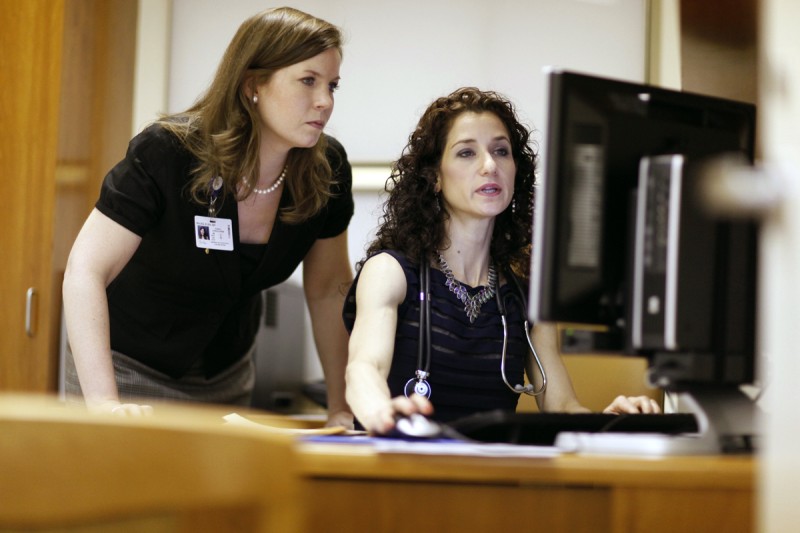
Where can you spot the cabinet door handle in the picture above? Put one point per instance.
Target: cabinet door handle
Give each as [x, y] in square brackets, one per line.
[29, 303]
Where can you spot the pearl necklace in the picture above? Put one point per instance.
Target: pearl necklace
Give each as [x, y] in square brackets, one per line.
[269, 189]
[472, 304]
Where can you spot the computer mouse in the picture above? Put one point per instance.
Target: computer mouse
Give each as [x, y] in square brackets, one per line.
[415, 426]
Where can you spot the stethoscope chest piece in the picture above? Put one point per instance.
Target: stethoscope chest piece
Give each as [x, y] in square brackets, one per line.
[418, 385]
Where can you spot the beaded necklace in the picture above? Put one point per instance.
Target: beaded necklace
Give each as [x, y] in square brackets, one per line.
[472, 304]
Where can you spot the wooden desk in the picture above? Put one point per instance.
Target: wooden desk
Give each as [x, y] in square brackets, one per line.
[359, 490]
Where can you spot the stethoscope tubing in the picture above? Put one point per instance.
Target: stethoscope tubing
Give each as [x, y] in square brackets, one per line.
[420, 383]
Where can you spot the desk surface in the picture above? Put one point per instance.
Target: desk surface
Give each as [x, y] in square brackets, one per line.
[567, 493]
[735, 471]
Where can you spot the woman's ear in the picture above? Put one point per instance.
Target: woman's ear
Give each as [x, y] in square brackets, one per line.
[249, 86]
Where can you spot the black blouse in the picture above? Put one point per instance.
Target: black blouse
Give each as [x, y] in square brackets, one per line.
[465, 357]
[173, 303]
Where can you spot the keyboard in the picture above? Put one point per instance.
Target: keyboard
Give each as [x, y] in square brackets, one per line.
[543, 428]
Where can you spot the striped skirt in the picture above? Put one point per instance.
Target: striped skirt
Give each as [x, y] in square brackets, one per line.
[137, 382]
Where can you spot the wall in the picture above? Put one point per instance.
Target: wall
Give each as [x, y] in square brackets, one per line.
[153, 30]
[401, 55]
[779, 96]
[664, 44]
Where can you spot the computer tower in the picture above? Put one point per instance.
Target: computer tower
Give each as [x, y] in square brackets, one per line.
[280, 357]
[693, 293]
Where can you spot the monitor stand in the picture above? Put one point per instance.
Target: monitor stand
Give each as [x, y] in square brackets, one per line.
[726, 419]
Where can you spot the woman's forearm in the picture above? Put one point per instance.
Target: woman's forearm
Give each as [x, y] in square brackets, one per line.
[87, 321]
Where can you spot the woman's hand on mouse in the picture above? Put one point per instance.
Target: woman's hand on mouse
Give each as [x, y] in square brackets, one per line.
[383, 420]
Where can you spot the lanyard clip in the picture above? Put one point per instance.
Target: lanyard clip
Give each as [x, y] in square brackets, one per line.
[216, 187]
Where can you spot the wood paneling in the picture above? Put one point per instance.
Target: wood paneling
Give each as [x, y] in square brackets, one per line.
[65, 109]
[372, 491]
[719, 48]
[30, 71]
[179, 470]
[95, 115]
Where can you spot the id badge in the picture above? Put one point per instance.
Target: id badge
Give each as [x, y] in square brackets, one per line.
[213, 233]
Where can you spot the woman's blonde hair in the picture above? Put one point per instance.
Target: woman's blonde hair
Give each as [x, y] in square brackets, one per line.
[222, 129]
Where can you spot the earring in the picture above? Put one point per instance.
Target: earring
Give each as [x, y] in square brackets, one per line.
[255, 98]
[513, 206]
[436, 206]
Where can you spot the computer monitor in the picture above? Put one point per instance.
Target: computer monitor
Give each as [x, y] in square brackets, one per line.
[622, 241]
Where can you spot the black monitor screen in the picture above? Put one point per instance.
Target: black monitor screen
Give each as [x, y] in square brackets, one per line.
[695, 290]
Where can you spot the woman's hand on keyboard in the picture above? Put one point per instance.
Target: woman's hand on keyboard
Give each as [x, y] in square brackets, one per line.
[633, 405]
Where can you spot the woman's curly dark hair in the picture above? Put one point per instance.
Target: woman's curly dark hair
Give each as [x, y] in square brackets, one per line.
[412, 221]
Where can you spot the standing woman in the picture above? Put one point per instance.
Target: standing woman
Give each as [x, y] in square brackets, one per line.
[459, 209]
[153, 311]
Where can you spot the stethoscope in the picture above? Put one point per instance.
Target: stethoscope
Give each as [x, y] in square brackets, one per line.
[419, 383]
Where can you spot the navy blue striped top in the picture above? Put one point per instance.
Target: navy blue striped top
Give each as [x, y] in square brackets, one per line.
[465, 358]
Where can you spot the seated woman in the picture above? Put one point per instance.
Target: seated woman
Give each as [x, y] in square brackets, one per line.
[455, 235]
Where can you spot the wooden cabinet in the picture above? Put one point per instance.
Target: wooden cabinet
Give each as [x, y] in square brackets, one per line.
[29, 101]
[370, 491]
[65, 114]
